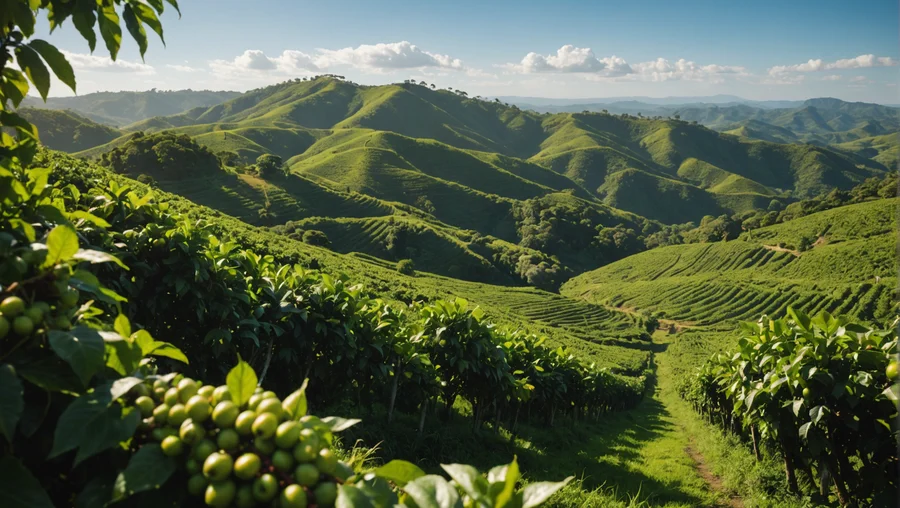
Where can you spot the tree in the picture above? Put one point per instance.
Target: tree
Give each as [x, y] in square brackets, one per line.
[406, 267]
[432, 86]
[316, 237]
[269, 166]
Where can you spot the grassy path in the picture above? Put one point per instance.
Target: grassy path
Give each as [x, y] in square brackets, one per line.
[649, 456]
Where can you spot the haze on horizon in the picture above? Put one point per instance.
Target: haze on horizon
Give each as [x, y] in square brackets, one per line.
[568, 49]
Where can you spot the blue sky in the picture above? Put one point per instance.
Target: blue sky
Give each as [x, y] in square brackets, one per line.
[759, 50]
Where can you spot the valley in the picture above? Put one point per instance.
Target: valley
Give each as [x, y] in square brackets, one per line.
[636, 302]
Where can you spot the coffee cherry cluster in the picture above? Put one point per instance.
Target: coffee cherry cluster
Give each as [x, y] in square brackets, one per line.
[36, 298]
[256, 455]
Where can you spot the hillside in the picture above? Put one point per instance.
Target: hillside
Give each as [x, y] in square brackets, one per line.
[338, 131]
[67, 130]
[850, 269]
[122, 108]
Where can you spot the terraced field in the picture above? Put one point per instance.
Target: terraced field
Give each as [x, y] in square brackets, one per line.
[849, 271]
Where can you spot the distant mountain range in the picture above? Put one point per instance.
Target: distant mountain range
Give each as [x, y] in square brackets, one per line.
[543, 102]
[404, 170]
[122, 108]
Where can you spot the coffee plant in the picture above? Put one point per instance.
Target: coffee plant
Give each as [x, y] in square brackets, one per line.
[91, 271]
[822, 392]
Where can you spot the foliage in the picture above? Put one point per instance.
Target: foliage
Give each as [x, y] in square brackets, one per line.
[822, 390]
[406, 267]
[66, 130]
[164, 155]
[269, 166]
[315, 237]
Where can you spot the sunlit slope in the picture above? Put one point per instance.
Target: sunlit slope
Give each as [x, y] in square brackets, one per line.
[849, 270]
[67, 130]
[592, 333]
[332, 128]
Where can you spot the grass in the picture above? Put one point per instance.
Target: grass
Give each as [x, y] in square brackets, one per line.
[399, 141]
[851, 271]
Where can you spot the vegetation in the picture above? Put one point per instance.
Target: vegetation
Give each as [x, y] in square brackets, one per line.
[412, 190]
[822, 391]
[67, 130]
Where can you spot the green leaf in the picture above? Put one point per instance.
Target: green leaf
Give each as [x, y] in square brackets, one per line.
[433, 491]
[800, 318]
[352, 497]
[295, 404]
[536, 494]
[84, 19]
[89, 217]
[51, 374]
[471, 481]
[92, 424]
[241, 381]
[337, 424]
[507, 497]
[109, 430]
[62, 244]
[19, 488]
[135, 28]
[30, 62]
[174, 3]
[122, 355]
[150, 347]
[14, 85]
[96, 256]
[109, 29]
[56, 60]
[82, 348]
[122, 326]
[148, 469]
[148, 17]
[400, 472]
[12, 400]
[123, 385]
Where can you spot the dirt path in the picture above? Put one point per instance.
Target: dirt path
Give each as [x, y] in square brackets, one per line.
[714, 482]
[663, 323]
[796, 253]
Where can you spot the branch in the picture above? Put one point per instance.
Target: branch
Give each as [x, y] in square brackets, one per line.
[268, 361]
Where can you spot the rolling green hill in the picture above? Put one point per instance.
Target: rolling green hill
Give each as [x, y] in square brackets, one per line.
[122, 108]
[849, 270]
[67, 130]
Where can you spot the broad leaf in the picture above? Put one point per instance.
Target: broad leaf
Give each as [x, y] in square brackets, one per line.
[352, 497]
[135, 28]
[92, 424]
[62, 244]
[96, 256]
[108, 20]
[51, 374]
[433, 491]
[56, 60]
[12, 400]
[295, 404]
[535, 494]
[337, 424]
[507, 497]
[471, 481]
[400, 472]
[30, 62]
[241, 381]
[122, 356]
[148, 469]
[82, 348]
[19, 488]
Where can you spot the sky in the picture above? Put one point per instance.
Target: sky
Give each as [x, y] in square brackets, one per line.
[762, 49]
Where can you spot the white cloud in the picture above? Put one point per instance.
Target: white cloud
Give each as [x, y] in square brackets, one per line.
[831, 77]
[782, 79]
[571, 59]
[383, 57]
[681, 69]
[814, 65]
[254, 61]
[84, 62]
[182, 68]
[860, 80]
